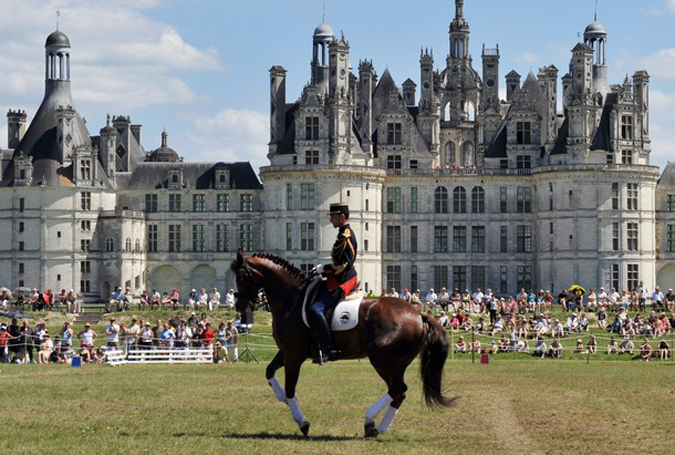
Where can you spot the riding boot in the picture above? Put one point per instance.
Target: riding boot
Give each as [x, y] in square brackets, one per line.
[326, 351]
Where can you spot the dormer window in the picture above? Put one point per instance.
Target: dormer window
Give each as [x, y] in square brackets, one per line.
[311, 128]
[523, 133]
[176, 179]
[23, 170]
[626, 127]
[222, 179]
[85, 169]
[394, 133]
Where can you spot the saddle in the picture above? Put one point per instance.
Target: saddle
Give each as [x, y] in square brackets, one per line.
[344, 316]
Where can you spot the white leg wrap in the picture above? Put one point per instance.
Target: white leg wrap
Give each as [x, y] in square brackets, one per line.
[278, 390]
[295, 411]
[387, 420]
[377, 408]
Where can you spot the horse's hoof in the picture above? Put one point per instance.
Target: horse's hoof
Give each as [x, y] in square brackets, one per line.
[305, 428]
[371, 431]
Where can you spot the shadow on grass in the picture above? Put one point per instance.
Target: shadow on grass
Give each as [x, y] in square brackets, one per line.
[266, 436]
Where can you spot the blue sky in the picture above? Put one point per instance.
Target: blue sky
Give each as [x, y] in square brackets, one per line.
[199, 68]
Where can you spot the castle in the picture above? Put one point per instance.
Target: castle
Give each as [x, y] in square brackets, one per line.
[448, 185]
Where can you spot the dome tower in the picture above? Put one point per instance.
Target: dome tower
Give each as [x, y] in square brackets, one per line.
[323, 35]
[595, 36]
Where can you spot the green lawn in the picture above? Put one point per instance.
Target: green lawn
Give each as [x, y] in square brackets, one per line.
[509, 406]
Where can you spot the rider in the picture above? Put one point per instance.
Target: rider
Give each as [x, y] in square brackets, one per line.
[340, 280]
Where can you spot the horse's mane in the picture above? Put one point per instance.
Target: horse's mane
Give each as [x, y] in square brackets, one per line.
[283, 263]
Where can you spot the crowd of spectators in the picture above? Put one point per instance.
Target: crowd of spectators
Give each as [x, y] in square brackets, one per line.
[202, 300]
[21, 343]
[35, 300]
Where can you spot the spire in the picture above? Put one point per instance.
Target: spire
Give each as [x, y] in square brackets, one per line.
[459, 9]
[165, 137]
[595, 16]
[58, 15]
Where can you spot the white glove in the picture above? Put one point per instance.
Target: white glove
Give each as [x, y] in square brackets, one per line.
[319, 269]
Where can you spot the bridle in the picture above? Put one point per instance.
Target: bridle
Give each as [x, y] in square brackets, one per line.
[250, 299]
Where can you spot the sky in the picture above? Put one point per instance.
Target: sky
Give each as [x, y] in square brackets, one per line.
[199, 68]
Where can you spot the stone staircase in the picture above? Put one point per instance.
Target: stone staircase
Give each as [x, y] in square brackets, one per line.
[91, 313]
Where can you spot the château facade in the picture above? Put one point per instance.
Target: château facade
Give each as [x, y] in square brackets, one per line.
[448, 185]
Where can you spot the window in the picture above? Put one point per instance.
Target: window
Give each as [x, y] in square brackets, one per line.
[459, 200]
[306, 196]
[441, 200]
[246, 202]
[632, 236]
[289, 196]
[311, 157]
[22, 245]
[503, 200]
[413, 239]
[246, 236]
[109, 244]
[459, 239]
[632, 196]
[85, 170]
[85, 286]
[311, 128]
[85, 245]
[615, 196]
[503, 239]
[137, 245]
[615, 237]
[22, 204]
[223, 203]
[393, 239]
[504, 164]
[524, 199]
[670, 238]
[85, 267]
[394, 161]
[670, 202]
[22, 226]
[616, 277]
[198, 237]
[478, 200]
[58, 234]
[21, 268]
[523, 132]
[199, 202]
[413, 199]
[626, 156]
[478, 239]
[626, 127]
[393, 200]
[524, 235]
[478, 277]
[394, 276]
[633, 273]
[524, 277]
[459, 277]
[413, 278]
[289, 236]
[85, 200]
[450, 153]
[365, 244]
[413, 164]
[523, 162]
[175, 202]
[394, 133]
[174, 238]
[85, 225]
[440, 277]
[152, 238]
[503, 279]
[440, 239]
[307, 236]
[367, 205]
[609, 159]
[222, 237]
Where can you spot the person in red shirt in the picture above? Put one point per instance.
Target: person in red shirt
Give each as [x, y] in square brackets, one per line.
[208, 335]
[4, 338]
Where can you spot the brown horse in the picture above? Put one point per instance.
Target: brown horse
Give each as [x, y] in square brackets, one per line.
[390, 332]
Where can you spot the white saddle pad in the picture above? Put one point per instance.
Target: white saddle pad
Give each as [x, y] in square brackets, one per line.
[346, 314]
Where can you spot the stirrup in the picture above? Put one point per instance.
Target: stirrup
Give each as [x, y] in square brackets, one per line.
[330, 356]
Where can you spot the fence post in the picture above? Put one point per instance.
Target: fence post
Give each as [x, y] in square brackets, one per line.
[473, 344]
[452, 344]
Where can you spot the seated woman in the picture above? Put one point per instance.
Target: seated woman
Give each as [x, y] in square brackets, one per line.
[521, 345]
[166, 301]
[57, 356]
[99, 356]
[540, 348]
[557, 329]
[475, 345]
[145, 300]
[62, 299]
[493, 348]
[73, 306]
[612, 346]
[497, 327]
[579, 349]
[602, 318]
[556, 349]
[220, 353]
[175, 299]
[504, 344]
[85, 355]
[203, 300]
[645, 350]
[592, 345]
[460, 346]
[33, 301]
[155, 299]
[192, 299]
[627, 346]
[664, 350]
[467, 324]
[46, 347]
[584, 323]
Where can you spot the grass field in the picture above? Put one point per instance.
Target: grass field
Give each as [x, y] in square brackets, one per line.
[505, 407]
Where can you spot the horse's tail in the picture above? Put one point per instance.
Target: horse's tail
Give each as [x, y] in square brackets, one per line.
[434, 353]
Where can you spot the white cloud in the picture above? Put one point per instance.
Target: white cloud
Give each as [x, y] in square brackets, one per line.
[527, 57]
[231, 135]
[670, 4]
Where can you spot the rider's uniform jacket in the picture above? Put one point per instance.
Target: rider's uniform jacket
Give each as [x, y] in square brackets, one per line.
[341, 272]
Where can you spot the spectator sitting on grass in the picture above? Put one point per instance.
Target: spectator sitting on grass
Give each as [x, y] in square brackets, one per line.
[480, 326]
[602, 318]
[68, 352]
[99, 356]
[493, 348]
[627, 346]
[460, 346]
[556, 349]
[557, 329]
[85, 355]
[475, 345]
[664, 350]
[467, 324]
[497, 327]
[454, 322]
[612, 347]
[592, 345]
[443, 320]
[579, 348]
[645, 350]
[540, 348]
[57, 356]
[45, 349]
[220, 353]
[584, 323]
[504, 344]
[521, 345]
[572, 324]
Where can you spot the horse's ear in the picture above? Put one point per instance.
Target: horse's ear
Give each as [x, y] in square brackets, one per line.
[239, 260]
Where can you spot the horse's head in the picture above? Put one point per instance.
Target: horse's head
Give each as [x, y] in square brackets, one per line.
[248, 283]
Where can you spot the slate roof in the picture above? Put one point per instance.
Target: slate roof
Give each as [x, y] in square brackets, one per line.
[498, 147]
[200, 176]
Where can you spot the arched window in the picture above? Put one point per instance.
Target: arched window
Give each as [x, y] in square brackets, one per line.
[441, 200]
[109, 244]
[450, 153]
[478, 200]
[138, 245]
[459, 200]
[467, 154]
[127, 244]
[447, 115]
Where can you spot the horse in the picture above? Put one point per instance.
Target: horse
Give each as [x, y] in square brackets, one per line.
[390, 332]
